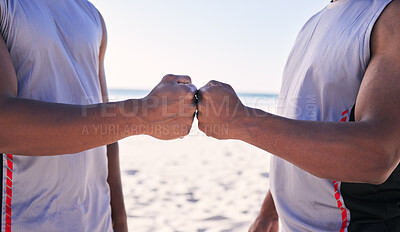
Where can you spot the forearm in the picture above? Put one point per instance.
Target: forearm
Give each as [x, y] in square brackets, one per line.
[267, 219]
[352, 152]
[118, 211]
[268, 210]
[31, 127]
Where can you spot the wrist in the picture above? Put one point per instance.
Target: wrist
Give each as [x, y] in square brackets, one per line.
[268, 210]
[267, 218]
[132, 117]
[242, 128]
[121, 226]
[121, 219]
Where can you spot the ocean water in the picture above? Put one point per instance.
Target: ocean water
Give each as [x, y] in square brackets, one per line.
[266, 102]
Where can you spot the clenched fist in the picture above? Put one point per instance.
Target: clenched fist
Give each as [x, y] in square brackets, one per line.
[168, 111]
[220, 111]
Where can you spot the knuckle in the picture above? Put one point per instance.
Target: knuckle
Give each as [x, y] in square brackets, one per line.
[205, 94]
[210, 83]
[192, 87]
[227, 85]
[201, 91]
[189, 95]
[188, 78]
[183, 79]
[168, 77]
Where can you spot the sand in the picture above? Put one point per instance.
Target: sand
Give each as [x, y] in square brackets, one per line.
[193, 184]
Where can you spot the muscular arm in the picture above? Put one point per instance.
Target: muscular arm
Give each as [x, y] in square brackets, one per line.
[118, 212]
[367, 150]
[29, 127]
[364, 151]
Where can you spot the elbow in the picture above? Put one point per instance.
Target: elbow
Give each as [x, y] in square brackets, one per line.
[381, 155]
[378, 179]
[381, 170]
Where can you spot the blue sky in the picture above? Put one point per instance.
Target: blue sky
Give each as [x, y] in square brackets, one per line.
[242, 42]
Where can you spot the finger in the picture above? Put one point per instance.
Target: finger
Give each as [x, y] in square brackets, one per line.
[200, 125]
[201, 108]
[187, 105]
[194, 102]
[209, 84]
[199, 97]
[228, 86]
[214, 83]
[198, 115]
[199, 94]
[168, 78]
[177, 79]
[190, 109]
[194, 108]
[183, 80]
[196, 97]
[192, 88]
[189, 91]
[204, 128]
[203, 91]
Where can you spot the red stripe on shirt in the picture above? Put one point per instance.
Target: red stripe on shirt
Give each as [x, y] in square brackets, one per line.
[10, 166]
[340, 206]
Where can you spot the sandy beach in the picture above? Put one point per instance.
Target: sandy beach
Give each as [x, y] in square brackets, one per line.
[195, 184]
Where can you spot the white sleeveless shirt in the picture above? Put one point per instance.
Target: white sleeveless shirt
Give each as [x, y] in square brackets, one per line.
[320, 83]
[54, 46]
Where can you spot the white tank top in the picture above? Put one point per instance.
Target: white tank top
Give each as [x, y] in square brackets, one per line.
[54, 46]
[320, 83]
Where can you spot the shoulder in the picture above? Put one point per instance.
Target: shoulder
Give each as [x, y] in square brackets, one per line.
[103, 24]
[100, 20]
[104, 30]
[386, 33]
[100, 17]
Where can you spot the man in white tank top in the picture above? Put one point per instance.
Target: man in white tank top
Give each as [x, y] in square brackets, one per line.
[336, 141]
[58, 134]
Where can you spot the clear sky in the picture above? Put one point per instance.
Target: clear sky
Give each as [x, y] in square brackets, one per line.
[242, 42]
